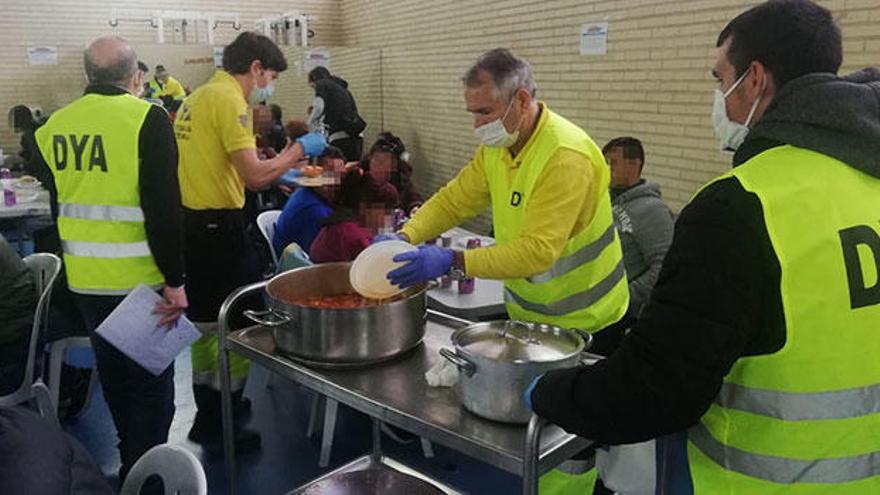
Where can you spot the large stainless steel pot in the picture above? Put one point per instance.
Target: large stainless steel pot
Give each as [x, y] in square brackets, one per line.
[338, 337]
[499, 359]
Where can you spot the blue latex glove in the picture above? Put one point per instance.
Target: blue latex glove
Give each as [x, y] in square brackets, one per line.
[427, 263]
[527, 395]
[387, 237]
[313, 143]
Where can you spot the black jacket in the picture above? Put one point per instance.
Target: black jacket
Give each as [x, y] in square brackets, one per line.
[717, 298]
[159, 188]
[340, 109]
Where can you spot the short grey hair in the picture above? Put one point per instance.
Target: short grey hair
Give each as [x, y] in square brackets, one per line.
[508, 71]
[116, 67]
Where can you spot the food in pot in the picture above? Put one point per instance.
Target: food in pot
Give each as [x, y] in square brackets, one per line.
[342, 301]
[27, 180]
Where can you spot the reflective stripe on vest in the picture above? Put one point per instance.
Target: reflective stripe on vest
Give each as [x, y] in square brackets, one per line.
[807, 416]
[580, 257]
[92, 149]
[800, 406]
[586, 286]
[786, 470]
[101, 212]
[573, 302]
[106, 249]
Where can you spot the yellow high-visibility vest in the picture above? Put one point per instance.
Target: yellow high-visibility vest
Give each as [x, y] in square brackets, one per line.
[805, 419]
[586, 287]
[91, 147]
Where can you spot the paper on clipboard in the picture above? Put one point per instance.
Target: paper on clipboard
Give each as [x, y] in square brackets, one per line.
[134, 330]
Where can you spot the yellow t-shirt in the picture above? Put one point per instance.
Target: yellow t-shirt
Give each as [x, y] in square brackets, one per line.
[213, 122]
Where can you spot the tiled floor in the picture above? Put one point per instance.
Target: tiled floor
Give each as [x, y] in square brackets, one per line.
[288, 459]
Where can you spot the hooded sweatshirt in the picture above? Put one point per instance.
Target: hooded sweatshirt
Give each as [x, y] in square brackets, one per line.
[717, 298]
[644, 224]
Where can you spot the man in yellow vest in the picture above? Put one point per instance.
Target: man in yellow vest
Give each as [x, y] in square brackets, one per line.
[218, 159]
[757, 359]
[547, 183]
[114, 190]
[164, 86]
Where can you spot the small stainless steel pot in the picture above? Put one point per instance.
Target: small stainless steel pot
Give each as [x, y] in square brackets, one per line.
[338, 337]
[499, 359]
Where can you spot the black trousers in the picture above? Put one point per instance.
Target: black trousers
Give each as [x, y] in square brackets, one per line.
[352, 148]
[142, 405]
[219, 258]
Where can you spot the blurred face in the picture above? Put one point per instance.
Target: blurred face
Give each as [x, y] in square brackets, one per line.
[262, 120]
[162, 77]
[382, 164]
[335, 165]
[375, 217]
[625, 172]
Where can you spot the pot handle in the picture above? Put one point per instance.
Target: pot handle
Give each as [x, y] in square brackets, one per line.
[587, 336]
[259, 317]
[463, 364]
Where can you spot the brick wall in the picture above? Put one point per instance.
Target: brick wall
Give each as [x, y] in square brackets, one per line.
[654, 82]
[71, 24]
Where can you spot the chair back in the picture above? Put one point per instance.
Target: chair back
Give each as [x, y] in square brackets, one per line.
[180, 470]
[44, 268]
[266, 222]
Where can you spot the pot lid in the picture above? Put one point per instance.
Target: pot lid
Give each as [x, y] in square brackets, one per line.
[518, 341]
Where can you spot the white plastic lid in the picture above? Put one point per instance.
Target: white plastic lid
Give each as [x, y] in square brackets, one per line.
[369, 271]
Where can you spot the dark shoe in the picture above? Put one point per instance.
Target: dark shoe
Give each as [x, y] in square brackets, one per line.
[209, 433]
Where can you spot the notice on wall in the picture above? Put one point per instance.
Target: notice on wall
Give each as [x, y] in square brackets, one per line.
[218, 56]
[594, 38]
[42, 55]
[316, 58]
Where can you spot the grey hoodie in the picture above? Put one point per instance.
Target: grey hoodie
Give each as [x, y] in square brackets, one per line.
[836, 116]
[645, 224]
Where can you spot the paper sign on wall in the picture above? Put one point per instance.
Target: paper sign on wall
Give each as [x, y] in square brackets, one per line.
[218, 56]
[594, 38]
[42, 55]
[316, 58]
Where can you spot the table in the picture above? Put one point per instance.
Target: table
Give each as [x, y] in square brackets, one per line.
[396, 393]
[487, 300]
[20, 212]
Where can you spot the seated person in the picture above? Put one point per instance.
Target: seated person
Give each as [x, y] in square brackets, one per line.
[387, 162]
[18, 300]
[363, 211]
[642, 219]
[276, 134]
[300, 219]
[39, 458]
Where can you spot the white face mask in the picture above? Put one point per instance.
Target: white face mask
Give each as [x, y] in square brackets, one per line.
[495, 135]
[731, 134]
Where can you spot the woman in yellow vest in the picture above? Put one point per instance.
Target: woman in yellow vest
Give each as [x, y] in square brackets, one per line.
[759, 344]
[163, 85]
